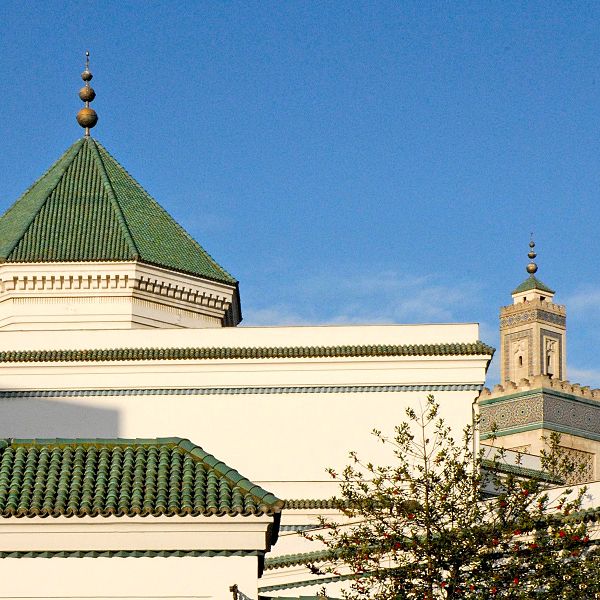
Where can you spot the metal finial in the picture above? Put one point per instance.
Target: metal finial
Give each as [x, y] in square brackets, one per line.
[531, 267]
[87, 116]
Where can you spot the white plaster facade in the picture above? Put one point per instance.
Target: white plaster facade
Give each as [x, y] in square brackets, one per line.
[309, 411]
[117, 295]
[182, 578]
[279, 421]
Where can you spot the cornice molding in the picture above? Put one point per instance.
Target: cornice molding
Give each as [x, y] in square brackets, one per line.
[134, 282]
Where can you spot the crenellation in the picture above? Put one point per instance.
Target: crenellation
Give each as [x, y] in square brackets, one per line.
[536, 383]
[510, 309]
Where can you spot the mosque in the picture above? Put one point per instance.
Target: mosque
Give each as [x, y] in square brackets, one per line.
[151, 448]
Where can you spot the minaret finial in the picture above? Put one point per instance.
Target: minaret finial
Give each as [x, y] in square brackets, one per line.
[531, 267]
[87, 116]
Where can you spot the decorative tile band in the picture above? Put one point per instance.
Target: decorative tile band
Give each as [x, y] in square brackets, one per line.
[298, 527]
[516, 412]
[310, 503]
[530, 316]
[234, 391]
[129, 553]
[133, 354]
[544, 409]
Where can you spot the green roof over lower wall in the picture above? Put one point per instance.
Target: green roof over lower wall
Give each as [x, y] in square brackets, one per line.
[532, 283]
[97, 477]
[86, 207]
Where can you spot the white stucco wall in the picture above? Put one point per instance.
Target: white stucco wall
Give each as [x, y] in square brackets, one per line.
[279, 422]
[265, 437]
[287, 430]
[132, 578]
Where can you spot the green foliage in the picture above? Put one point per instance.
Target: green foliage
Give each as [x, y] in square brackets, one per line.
[420, 528]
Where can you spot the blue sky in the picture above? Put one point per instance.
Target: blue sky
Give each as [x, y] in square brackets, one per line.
[346, 161]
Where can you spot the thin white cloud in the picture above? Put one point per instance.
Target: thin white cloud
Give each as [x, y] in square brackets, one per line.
[275, 315]
[589, 377]
[584, 302]
[376, 297]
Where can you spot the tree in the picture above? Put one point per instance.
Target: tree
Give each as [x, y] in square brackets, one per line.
[420, 528]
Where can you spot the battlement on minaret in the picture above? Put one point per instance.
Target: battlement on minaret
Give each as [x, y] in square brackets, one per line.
[521, 417]
[533, 310]
[536, 383]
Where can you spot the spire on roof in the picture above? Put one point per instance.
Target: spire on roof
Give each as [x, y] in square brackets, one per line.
[87, 117]
[532, 282]
[531, 267]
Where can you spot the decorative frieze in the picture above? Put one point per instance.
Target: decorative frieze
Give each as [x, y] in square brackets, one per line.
[137, 295]
[512, 413]
[565, 406]
[530, 316]
[535, 304]
[249, 390]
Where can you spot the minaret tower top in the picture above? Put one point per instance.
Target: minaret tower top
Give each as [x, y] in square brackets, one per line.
[532, 330]
[532, 288]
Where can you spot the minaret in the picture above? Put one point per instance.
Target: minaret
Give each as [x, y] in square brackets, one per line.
[533, 398]
[532, 331]
[87, 117]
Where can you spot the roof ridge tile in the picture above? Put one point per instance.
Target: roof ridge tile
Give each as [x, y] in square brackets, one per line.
[113, 198]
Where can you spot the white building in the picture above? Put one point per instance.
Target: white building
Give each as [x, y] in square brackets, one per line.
[115, 324]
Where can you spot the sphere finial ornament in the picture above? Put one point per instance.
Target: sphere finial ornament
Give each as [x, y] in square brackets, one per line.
[531, 267]
[87, 116]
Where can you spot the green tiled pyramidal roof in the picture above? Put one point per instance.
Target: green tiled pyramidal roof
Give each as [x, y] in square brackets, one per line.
[94, 477]
[86, 207]
[532, 283]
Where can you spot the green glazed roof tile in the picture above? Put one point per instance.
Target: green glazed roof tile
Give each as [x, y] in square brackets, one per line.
[301, 558]
[244, 353]
[532, 283]
[97, 477]
[520, 471]
[86, 207]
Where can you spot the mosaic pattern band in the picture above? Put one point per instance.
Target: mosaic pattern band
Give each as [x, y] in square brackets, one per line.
[234, 391]
[543, 408]
[531, 316]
